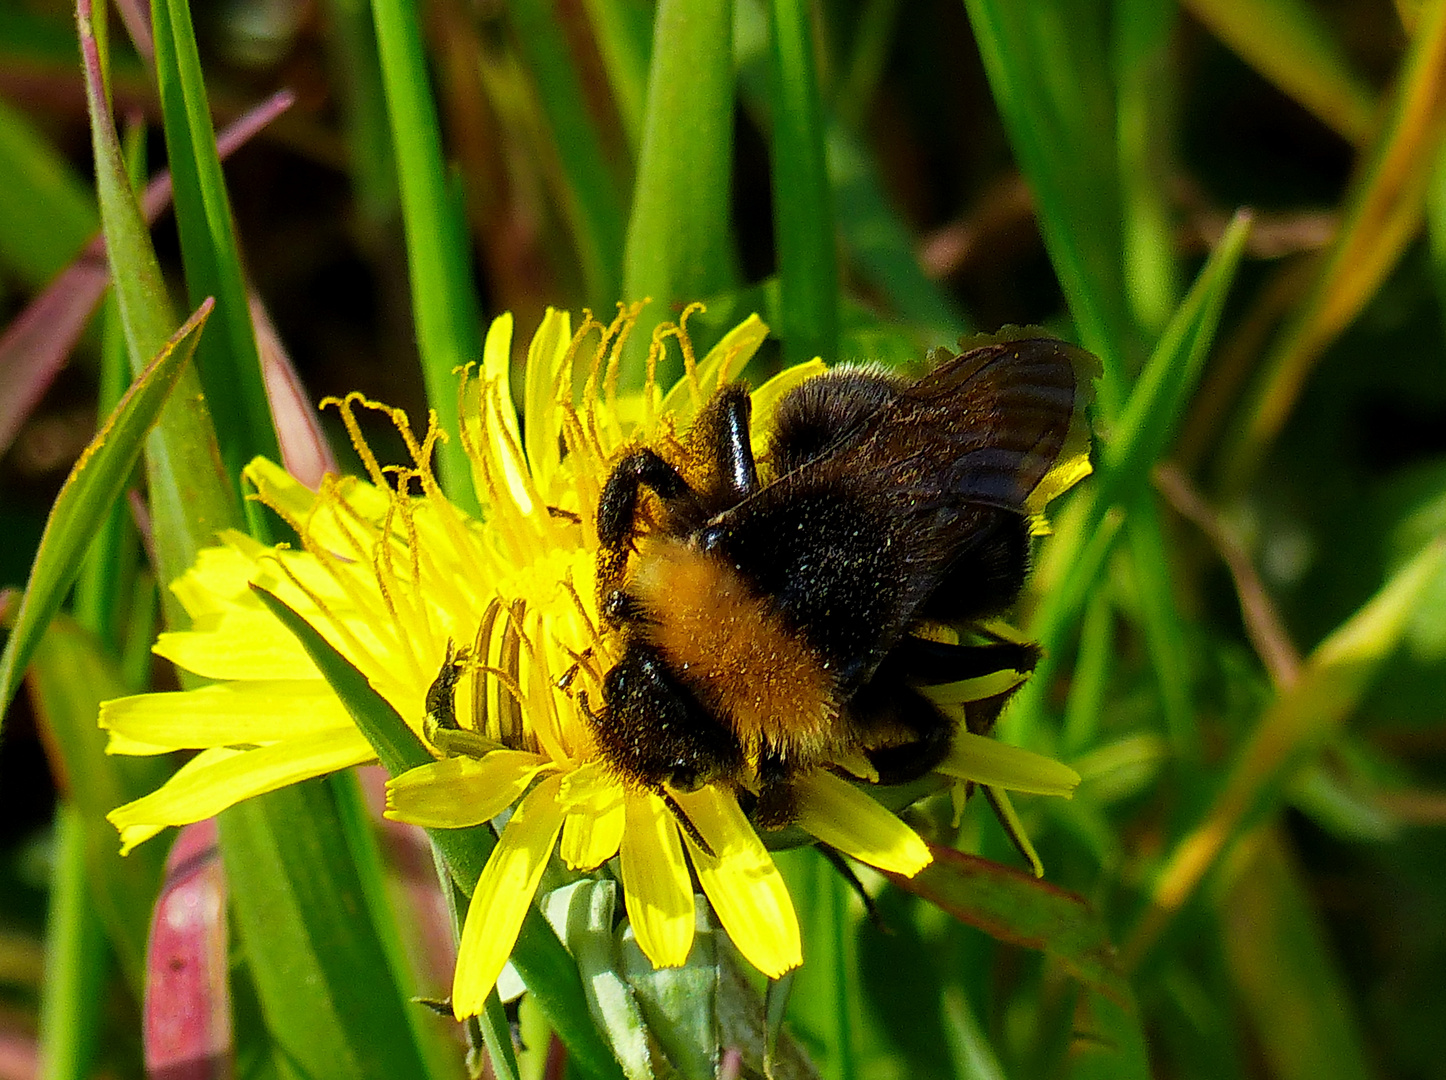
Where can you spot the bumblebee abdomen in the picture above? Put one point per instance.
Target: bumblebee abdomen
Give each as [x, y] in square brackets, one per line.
[728, 644]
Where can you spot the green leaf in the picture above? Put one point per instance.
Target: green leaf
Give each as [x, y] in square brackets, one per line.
[1016, 907]
[1072, 561]
[228, 362]
[591, 198]
[583, 916]
[46, 215]
[678, 245]
[191, 496]
[1383, 213]
[1288, 43]
[538, 956]
[75, 958]
[1281, 962]
[69, 677]
[808, 280]
[94, 484]
[1288, 737]
[327, 991]
[1047, 67]
[444, 299]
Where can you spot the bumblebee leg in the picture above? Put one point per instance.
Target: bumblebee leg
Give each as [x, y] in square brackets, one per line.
[726, 426]
[777, 801]
[930, 663]
[685, 822]
[617, 510]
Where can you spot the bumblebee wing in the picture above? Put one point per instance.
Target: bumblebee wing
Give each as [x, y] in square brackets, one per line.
[983, 427]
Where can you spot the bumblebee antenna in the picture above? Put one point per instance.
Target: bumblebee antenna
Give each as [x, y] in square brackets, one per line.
[686, 822]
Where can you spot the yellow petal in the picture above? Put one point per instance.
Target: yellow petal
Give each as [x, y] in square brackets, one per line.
[503, 894]
[656, 883]
[216, 779]
[216, 581]
[845, 818]
[226, 714]
[593, 828]
[724, 362]
[242, 644]
[742, 883]
[457, 792]
[989, 761]
[541, 418]
[976, 689]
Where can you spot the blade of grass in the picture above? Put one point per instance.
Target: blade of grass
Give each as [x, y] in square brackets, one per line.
[191, 496]
[873, 233]
[444, 299]
[678, 245]
[37, 343]
[91, 488]
[1047, 67]
[1287, 42]
[1383, 213]
[70, 676]
[358, 76]
[623, 30]
[325, 985]
[590, 197]
[538, 956]
[46, 215]
[71, 994]
[808, 280]
[880, 245]
[1145, 73]
[1288, 736]
[188, 1027]
[1164, 631]
[1070, 564]
[1282, 966]
[228, 363]
[1014, 906]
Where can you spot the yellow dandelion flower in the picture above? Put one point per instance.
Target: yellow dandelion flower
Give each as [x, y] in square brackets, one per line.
[405, 585]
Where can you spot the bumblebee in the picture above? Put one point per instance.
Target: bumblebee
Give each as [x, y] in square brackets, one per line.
[774, 616]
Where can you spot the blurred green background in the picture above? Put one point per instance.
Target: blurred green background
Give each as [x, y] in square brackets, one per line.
[1244, 612]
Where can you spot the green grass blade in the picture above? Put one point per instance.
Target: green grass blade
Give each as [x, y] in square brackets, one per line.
[89, 492]
[1282, 966]
[444, 299]
[1047, 66]
[1383, 214]
[364, 109]
[803, 228]
[880, 245]
[46, 215]
[1289, 735]
[1287, 42]
[70, 676]
[591, 198]
[325, 985]
[1163, 627]
[679, 242]
[1071, 563]
[538, 956]
[75, 959]
[190, 492]
[1015, 906]
[228, 362]
[624, 33]
[1145, 74]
